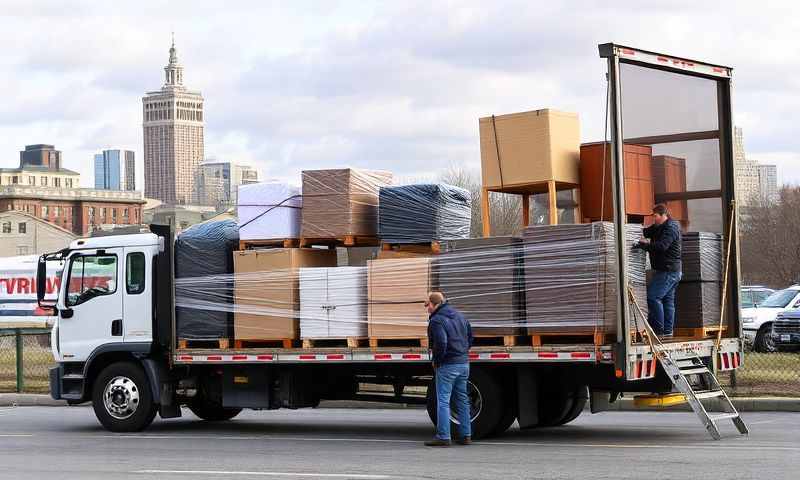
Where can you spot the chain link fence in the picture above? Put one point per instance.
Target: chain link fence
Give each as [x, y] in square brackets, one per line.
[25, 359]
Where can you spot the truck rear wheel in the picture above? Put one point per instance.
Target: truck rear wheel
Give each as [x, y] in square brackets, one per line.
[487, 404]
[121, 398]
[580, 397]
[212, 412]
[561, 404]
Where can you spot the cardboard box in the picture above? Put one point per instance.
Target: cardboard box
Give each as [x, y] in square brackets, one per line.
[272, 287]
[397, 292]
[341, 202]
[534, 147]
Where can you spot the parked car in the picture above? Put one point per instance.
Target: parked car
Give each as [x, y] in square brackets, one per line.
[754, 295]
[757, 321]
[786, 329]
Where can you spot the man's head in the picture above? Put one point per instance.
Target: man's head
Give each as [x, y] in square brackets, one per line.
[434, 300]
[660, 214]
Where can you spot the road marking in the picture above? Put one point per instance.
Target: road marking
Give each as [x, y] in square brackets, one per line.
[16, 434]
[264, 474]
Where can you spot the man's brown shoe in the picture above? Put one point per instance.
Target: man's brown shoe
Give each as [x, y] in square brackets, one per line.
[465, 441]
[437, 443]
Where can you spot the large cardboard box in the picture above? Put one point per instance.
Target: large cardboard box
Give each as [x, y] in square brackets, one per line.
[341, 202]
[397, 289]
[266, 290]
[534, 147]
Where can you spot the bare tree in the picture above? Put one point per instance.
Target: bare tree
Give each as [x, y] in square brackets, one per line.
[770, 241]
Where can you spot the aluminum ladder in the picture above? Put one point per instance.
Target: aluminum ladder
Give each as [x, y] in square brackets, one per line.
[679, 371]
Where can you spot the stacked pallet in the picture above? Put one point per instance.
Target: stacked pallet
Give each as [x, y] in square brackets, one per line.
[333, 303]
[268, 212]
[423, 213]
[397, 289]
[341, 205]
[571, 285]
[698, 296]
[203, 290]
[482, 278]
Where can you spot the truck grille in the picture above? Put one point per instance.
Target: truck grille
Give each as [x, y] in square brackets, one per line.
[786, 326]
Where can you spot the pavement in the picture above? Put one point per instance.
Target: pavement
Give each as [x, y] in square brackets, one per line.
[337, 443]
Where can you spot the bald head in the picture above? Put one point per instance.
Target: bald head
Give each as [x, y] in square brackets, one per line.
[435, 299]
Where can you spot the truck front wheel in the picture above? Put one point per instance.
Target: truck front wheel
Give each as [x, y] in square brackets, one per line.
[121, 398]
[487, 404]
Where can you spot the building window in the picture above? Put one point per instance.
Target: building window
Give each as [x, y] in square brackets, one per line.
[22, 227]
[43, 181]
[68, 183]
[103, 214]
[114, 216]
[22, 250]
[56, 182]
[44, 211]
[56, 211]
[15, 180]
[6, 227]
[31, 180]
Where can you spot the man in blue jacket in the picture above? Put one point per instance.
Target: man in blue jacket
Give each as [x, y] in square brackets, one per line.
[450, 338]
[663, 243]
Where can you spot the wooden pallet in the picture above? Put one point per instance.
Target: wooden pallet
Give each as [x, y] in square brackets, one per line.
[426, 247]
[349, 342]
[539, 339]
[265, 343]
[701, 332]
[346, 241]
[377, 342]
[271, 243]
[497, 340]
[220, 343]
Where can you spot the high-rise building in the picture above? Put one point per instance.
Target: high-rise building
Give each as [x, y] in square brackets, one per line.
[114, 170]
[218, 183]
[747, 183]
[768, 181]
[173, 137]
[40, 155]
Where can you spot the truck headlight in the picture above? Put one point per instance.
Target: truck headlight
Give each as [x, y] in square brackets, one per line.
[749, 320]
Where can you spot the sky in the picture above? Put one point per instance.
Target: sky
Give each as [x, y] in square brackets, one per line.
[387, 85]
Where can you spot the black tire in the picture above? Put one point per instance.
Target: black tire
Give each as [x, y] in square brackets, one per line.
[492, 405]
[580, 397]
[764, 343]
[212, 412]
[128, 405]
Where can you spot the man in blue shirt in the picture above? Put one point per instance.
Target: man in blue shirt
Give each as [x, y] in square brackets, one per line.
[662, 240]
[450, 338]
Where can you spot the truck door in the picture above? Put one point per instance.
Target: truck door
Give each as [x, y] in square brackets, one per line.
[90, 310]
[137, 303]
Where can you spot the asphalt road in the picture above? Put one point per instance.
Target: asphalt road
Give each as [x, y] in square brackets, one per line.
[67, 443]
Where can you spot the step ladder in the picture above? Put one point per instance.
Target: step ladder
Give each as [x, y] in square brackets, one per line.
[681, 371]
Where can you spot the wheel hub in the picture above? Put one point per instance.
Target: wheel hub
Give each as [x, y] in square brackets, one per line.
[475, 404]
[121, 397]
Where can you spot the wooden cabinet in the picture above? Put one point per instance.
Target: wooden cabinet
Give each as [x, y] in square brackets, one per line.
[596, 195]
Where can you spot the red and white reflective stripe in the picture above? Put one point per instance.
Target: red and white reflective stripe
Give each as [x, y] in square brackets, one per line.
[729, 360]
[679, 63]
[641, 368]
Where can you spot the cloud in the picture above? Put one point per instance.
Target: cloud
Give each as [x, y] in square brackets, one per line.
[398, 86]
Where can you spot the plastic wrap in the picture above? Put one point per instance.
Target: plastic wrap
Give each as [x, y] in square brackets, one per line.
[201, 251]
[570, 277]
[701, 257]
[483, 278]
[424, 213]
[333, 302]
[697, 304]
[269, 210]
[397, 289]
[341, 202]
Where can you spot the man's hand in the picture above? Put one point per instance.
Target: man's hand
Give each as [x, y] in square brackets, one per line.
[644, 241]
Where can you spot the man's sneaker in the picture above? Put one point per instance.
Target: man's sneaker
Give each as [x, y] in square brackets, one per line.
[437, 443]
[465, 441]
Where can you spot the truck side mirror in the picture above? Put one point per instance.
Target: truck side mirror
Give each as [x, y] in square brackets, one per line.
[41, 283]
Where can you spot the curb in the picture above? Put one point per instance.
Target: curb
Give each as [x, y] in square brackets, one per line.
[625, 404]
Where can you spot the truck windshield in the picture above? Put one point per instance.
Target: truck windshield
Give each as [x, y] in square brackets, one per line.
[780, 299]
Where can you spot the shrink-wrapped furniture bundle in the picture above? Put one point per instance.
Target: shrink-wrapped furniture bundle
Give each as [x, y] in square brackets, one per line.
[333, 302]
[341, 202]
[203, 305]
[571, 281]
[701, 257]
[397, 289]
[267, 290]
[424, 213]
[269, 210]
[482, 278]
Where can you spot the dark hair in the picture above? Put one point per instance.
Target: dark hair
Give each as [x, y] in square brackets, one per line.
[661, 209]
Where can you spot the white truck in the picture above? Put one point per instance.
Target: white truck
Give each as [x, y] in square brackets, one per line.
[115, 345]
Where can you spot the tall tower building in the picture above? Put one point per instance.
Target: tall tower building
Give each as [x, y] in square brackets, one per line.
[768, 180]
[173, 137]
[747, 182]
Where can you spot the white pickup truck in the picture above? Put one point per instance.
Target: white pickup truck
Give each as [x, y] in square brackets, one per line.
[757, 321]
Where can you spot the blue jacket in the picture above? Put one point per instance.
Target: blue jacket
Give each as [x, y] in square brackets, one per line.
[665, 246]
[449, 336]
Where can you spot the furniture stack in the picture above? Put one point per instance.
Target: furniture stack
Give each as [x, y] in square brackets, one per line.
[669, 176]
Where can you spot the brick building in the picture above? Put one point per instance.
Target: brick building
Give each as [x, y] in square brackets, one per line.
[79, 210]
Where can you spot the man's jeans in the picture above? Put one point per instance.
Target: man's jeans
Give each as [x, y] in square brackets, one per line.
[661, 301]
[452, 379]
